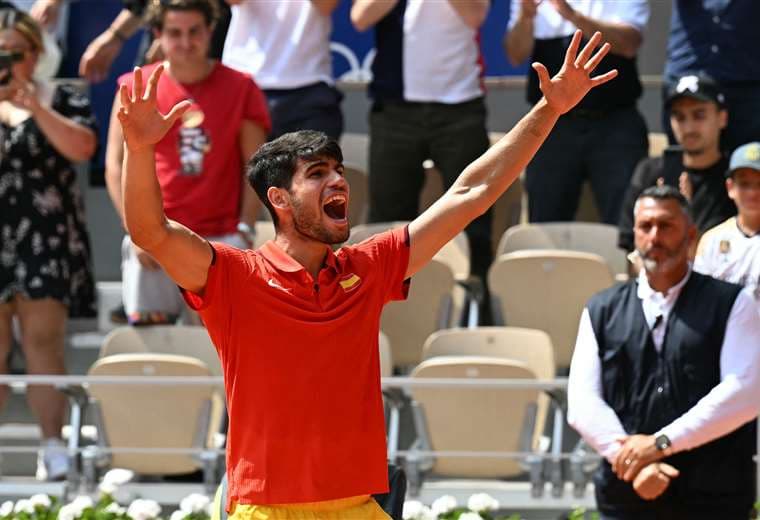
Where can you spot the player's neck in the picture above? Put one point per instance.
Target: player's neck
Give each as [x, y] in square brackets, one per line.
[190, 73]
[309, 253]
[749, 224]
[703, 160]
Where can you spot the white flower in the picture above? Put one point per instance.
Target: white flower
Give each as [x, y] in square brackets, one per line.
[144, 509]
[81, 503]
[7, 508]
[24, 506]
[443, 505]
[107, 488]
[68, 512]
[412, 509]
[195, 503]
[40, 500]
[178, 515]
[115, 508]
[480, 502]
[118, 476]
[470, 516]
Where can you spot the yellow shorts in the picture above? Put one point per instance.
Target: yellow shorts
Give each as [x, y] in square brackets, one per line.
[353, 508]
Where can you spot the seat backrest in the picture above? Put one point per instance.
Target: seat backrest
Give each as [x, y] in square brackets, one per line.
[547, 290]
[183, 340]
[529, 346]
[475, 419]
[355, 148]
[455, 253]
[150, 416]
[358, 202]
[386, 356]
[658, 141]
[264, 233]
[408, 323]
[588, 237]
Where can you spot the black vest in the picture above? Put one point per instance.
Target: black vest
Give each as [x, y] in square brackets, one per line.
[648, 390]
[622, 92]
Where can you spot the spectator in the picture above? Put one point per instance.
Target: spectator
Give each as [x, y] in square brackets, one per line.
[720, 39]
[697, 117]
[605, 136]
[665, 378]
[45, 271]
[200, 161]
[731, 250]
[427, 104]
[102, 51]
[285, 46]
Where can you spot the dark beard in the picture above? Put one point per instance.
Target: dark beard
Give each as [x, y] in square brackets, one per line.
[309, 227]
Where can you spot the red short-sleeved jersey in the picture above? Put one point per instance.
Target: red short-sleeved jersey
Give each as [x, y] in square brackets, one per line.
[198, 162]
[301, 367]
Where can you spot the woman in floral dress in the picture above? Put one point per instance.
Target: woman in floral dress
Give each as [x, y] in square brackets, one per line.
[45, 272]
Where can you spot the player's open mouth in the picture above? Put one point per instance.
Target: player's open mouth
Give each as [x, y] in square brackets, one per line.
[335, 206]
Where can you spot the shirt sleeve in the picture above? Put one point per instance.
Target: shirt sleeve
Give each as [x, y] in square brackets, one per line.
[514, 13]
[733, 402]
[634, 13]
[213, 304]
[702, 260]
[390, 255]
[587, 411]
[256, 107]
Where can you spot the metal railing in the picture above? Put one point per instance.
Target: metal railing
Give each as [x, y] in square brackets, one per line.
[75, 387]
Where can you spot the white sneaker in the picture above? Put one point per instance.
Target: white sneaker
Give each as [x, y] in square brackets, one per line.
[52, 460]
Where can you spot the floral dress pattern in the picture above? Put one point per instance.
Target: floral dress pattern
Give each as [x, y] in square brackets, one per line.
[44, 245]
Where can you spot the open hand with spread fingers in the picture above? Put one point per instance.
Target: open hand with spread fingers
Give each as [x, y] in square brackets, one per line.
[573, 81]
[141, 122]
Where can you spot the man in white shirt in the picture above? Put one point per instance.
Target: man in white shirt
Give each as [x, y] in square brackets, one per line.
[731, 250]
[603, 138]
[664, 380]
[285, 46]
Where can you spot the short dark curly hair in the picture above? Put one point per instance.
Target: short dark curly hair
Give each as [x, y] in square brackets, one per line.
[275, 163]
[157, 9]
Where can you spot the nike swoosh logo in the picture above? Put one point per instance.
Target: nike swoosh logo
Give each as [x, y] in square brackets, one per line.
[274, 284]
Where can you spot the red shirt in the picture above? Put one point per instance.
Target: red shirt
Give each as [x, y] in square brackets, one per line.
[301, 367]
[198, 162]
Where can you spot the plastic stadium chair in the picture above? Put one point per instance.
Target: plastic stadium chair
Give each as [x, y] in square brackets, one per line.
[473, 419]
[547, 290]
[148, 416]
[587, 237]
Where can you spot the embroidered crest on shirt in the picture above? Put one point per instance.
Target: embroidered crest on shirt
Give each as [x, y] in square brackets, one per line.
[724, 247]
[350, 282]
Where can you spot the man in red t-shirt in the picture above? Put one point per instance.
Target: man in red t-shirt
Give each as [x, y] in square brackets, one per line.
[199, 162]
[295, 324]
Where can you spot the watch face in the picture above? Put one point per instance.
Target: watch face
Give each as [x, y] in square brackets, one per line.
[662, 442]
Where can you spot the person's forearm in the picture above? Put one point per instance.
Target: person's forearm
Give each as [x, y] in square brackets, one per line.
[73, 141]
[141, 194]
[125, 25]
[472, 12]
[624, 40]
[366, 13]
[492, 173]
[113, 186]
[325, 7]
[519, 41]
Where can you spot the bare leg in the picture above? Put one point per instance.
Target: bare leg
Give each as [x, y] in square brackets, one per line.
[43, 327]
[6, 340]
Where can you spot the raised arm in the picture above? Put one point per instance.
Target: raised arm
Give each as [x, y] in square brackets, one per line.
[486, 178]
[366, 13]
[519, 40]
[472, 12]
[325, 7]
[184, 255]
[624, 39]
[115, 159]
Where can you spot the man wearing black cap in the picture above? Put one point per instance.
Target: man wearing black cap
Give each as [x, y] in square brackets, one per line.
[697, 166]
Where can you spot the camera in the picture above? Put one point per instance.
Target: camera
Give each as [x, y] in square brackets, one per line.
[7, 59]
